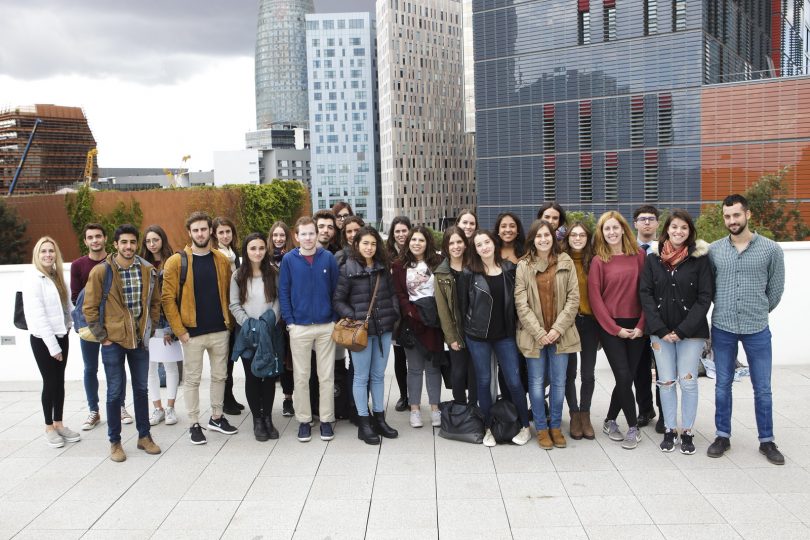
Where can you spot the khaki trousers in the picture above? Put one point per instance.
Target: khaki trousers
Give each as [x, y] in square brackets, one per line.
[216, 344]
[303, 338]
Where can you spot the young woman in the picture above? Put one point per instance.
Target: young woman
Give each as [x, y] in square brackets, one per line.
[577, 244]
[155, 250]
[554, 214]
[280, 240]
[342, 211]
[414, 280]
[613, 281]
[468, 222]
[397, 236]
[253, 292]
[351, 225]
[677, 288]
[487, 304]
[547, 299]
[454, 247]
[365, 270]
[511, 240]
[47, 306]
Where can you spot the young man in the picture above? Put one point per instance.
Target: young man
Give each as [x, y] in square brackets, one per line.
[96, 240]
[131, 311]
[749, 282]
[307, 281]
[326, 224]
[645, 220]
[199, 317]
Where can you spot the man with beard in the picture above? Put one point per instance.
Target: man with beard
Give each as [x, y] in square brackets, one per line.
[197, 311]
[123, 322]
[749, 281]
[326, 224]
[96, 241]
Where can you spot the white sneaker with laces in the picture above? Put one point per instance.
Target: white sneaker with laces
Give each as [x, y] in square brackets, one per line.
[125, 416]
[436, 418]
[93, 419]
[158, 415]
[522, 437]
[489, 439]
[416, 419]
[171, 416]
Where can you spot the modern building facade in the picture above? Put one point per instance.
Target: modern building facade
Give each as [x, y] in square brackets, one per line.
[281, 75]
[58, 152]
[427, 157]
[343, 116]
[597, 103]
[284, 154]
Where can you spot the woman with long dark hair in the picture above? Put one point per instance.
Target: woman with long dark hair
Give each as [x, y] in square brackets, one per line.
[280, 242]
[554, 214]
[342, 211]
[395, 244]
[467, 221]
[351, 225]
[254, 291]
[511, 240]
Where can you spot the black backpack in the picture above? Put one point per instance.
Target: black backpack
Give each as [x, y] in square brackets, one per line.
[505, 422]
[461, 422]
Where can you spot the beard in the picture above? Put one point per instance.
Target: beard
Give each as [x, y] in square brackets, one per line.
[203, 245]
[741, 227]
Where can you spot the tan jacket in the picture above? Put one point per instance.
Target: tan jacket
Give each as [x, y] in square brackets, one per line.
[527, 302]
[447, 304]
[119, 326]
[186, 316]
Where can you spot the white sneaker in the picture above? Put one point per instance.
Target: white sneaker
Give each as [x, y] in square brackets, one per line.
[436, 418]
[125, 416]
[171, 416]
[522, 437]
[489, 439]
[416, 419]
[157, 416]
[93, 419]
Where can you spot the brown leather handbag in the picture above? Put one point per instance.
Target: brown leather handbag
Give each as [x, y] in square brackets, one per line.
[352, 333]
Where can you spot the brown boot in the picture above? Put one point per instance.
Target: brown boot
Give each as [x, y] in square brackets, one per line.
[117, 452]
[148, 445]
[576, 425]
[557, 437]
[544, 440]
[585, 422]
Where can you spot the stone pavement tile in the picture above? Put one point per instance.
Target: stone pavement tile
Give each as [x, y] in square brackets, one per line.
[723, 481]
[542, 531]
[591, 458]
[509, 458]
[674, 508]
[409, 442]
[483, 534]
[280, 489]
[64, 514]
[362, 465]
[748, 457]
[336, 487]
[606, 509]
[9, 446]
[402, 534]
[189, 516]
[346, 441]
[700, 461]
[186, 534]
[471, 515]
[705, 531]
[37, 448]
[18, 514]
[580, 484]
[479, 461]
[291, 465]
[625, 532]
[402, 514]
[797, 503]
[750, 508]
[406, 464]
[108, 481]
[14, 470]
[531, 485]
[215, 483]
[781, 479]
[467, 486]
[258, 533]
[326, 534]
[120, 534]
[44, 534]
[259, 515]
[402, 487]
[134, 513]
[326, 516]
[646, 457]
[556, 512]
[782, 531]
[659, 483]
[39, 488]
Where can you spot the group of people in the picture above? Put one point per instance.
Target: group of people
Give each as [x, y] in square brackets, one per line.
[509, 312]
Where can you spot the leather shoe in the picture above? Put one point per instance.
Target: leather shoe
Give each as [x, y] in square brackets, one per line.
[231, 409]
[402, 404]
[645, 417]
[659, 426]
[719, 447]
[772, 453]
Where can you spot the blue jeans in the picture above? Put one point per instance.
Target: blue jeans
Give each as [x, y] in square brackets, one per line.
[370, 364]
[508, 357]
[113, 358]
[758, 351]
[557, 365]
[90, 357]
[678, 362]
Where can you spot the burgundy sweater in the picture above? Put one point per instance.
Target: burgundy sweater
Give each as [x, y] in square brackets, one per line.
[613, 290]
[79, 272]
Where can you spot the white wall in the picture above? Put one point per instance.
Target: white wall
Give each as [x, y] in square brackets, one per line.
[236, 167]
[787, 322]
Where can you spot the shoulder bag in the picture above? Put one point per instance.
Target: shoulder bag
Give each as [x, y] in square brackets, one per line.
[351, 333]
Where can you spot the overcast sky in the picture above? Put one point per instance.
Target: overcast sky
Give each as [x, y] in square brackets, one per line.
[157, 79]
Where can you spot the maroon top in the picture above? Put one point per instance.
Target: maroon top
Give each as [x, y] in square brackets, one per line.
[79, 272]
[613, 290]
[431, 338]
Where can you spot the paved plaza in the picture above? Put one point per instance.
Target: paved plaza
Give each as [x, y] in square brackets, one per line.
[417, 486]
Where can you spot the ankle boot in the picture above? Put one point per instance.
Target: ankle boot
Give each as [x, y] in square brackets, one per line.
[364, 431]
[259, 429]
[272, 432]
[585, 422]
[380, 426]
[576, 425]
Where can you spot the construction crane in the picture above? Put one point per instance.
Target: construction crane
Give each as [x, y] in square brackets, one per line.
[37, 122]
[88, 166]
[176, 179]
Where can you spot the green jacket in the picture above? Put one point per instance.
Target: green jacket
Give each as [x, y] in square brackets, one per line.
[447, 304]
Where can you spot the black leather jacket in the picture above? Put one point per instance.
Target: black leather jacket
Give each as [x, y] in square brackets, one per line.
[475, 302]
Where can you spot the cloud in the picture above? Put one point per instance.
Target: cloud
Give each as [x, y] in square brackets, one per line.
[142, 41]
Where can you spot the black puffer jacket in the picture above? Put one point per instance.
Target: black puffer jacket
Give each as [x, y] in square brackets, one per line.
[353, 296]
[475, 302]
[678, 300]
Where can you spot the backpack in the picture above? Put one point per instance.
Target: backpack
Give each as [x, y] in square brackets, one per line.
[79, 321]
[505, 423]
[183, 275]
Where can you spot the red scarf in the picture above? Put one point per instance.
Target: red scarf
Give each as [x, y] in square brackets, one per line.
[672, 257]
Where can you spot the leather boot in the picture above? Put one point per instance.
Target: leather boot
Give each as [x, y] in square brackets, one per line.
[260, 430]
[380, 426]
[576, 425]
[148, 445]
[585, 422]
[272, 432]
[557, 437]
[364, 431]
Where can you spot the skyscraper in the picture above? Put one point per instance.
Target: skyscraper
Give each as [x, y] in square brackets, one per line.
[427, 159]
[281, 70]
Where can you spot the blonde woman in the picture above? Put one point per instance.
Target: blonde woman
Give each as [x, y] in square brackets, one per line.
[47, 309]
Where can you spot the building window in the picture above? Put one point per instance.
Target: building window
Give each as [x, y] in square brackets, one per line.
[328, 24]
[586, 177]
[611, 177]
[678, 15]
[650, 17]
[355, 23]
[361, 51]
[637, 121]
[664, 119]
[549, 178]
[609, 20]
[585, 131]
[354, 42]
[651, 175]
[584, 22]
[548, 128]
[312, 25]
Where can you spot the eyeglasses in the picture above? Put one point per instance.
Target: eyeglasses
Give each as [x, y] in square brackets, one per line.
[646, 220]
[578, 235]
[341, 217]
[152, 240]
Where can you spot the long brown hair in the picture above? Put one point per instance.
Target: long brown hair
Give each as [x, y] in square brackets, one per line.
[432, 259]
[380, 254]
[476, 264]
[531, 249]
[600, 245]
[57, 273]
[391, 243]
[587, 251]
[165, 247]
[245, 272]
[684, 216]
[223, 221]
[448, 234]
[289, 242]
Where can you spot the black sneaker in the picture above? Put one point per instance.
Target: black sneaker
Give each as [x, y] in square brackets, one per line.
[772, 453]
[670, 440]
[402, 404]
[232, 409]
[287, 408]
[659, 426]
[645, 417]
[327, 432]
[687, 446]
[718, 447]
[195, 434]
[304, 432]
[221, 424]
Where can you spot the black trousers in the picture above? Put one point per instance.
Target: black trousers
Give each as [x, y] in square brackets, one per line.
[401, 370]
[229, 398]
[643, 382]
[260, 392]
[463, 377]
[53, 378]
[588, 330]
[623, 356]
[286, 382]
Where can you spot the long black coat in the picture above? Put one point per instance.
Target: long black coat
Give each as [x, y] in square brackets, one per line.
[353, 296]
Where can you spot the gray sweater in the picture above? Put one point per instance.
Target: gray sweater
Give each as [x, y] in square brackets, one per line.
[255, 304]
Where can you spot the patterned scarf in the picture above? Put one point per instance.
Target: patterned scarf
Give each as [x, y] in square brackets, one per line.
[672, 257]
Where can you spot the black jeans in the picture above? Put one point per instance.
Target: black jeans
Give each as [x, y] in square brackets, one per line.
[401, 370]
[53, 378]
[260, 392]
[588, 330]
[286, 382]
[643, 379]
[623, 356]
[463, 377]
[229, 398]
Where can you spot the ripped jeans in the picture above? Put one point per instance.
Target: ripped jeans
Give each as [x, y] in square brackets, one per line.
[678, 363]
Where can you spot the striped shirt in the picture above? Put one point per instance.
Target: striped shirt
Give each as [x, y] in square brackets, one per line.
[132, 287]
[748, 284]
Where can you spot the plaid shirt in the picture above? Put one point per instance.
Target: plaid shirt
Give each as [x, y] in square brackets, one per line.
[748, 284]
[132, 287]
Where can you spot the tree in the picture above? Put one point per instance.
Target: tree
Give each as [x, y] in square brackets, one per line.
[80, 211]
[12, 235]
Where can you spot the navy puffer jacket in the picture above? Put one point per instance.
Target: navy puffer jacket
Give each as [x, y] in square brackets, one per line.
[353, 296]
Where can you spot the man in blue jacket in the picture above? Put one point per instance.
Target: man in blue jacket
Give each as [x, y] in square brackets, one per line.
[307, 281]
